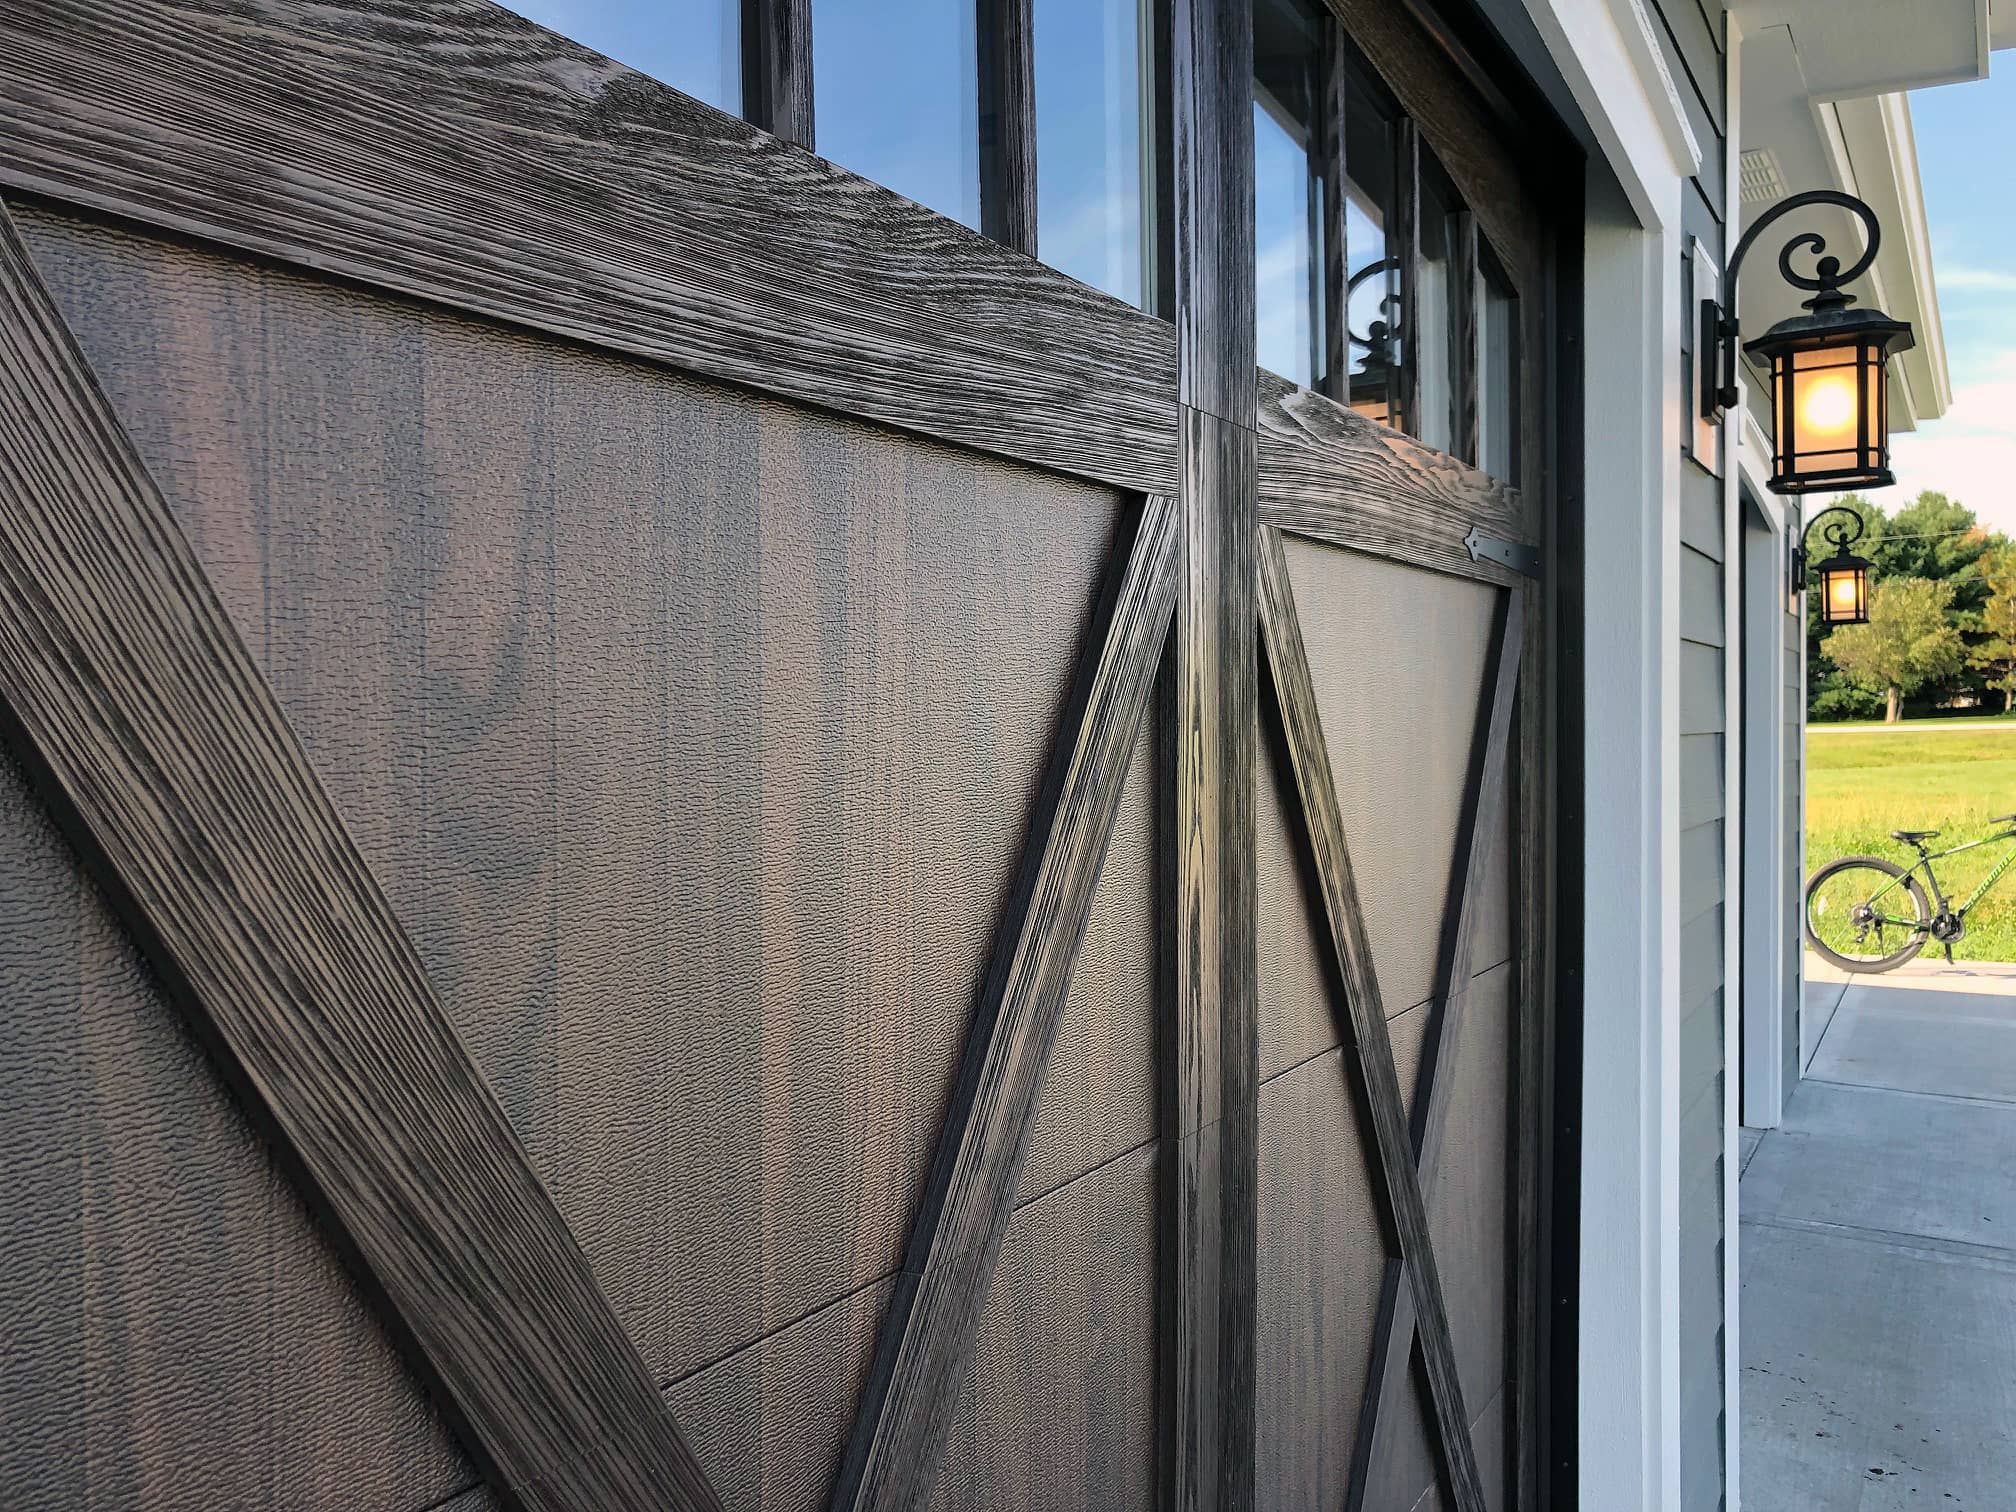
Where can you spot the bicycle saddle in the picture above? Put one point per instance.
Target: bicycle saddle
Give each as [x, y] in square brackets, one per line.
[1912, 837]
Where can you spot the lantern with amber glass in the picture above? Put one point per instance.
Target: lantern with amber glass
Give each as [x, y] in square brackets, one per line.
[1830, 391]
[1843, 577]
[1830, 394]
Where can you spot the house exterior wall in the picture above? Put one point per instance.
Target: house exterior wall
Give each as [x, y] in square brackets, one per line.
[1690, 34]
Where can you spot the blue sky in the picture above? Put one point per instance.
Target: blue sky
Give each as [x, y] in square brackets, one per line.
[1967, 162]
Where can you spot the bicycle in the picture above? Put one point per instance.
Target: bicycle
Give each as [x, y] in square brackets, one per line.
[1858, 903]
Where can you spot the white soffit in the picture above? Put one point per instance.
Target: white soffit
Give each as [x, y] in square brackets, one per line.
[1865, 147]
[1851, 48]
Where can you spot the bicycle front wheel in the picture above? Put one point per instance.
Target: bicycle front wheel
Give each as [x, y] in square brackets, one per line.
[1866, 914]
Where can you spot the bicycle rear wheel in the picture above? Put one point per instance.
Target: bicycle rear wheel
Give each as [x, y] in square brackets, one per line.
[1866, 914]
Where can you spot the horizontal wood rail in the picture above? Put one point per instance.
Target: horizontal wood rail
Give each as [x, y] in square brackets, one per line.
[473, 159]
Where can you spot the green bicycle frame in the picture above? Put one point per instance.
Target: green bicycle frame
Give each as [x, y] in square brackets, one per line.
[1926, 859]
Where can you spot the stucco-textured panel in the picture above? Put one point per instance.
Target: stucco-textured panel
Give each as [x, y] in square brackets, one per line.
[1059, 1412]
[1397, 657]
[179, 1335]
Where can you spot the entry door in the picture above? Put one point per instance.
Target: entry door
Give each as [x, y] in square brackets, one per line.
[682, 836]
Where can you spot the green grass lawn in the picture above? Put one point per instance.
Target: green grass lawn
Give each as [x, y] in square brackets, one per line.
[1860, 785]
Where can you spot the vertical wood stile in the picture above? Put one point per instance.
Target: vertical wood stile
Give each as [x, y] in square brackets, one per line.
[1362, 1016]
[1406, 246]
[928, 1336]
[1464, 319]
[1007, 52]
[777, 68]
[168, 759]
[1210, 1110]
[1335, 380]
[1533, 1018]
[1476, 843]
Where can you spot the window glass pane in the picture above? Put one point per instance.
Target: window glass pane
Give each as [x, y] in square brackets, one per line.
[1287, 188]
[1434, 325]
[1374, 305]
[1497, 370]
[1089, 142]
[895, 97]
[693, 45]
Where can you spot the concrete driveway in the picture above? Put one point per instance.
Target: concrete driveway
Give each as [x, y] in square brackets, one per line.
[1878, 1253]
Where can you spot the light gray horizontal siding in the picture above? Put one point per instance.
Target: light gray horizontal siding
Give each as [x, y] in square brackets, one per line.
[1701, 711]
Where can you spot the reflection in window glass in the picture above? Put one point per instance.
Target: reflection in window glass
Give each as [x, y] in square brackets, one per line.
[895, 98]
[1089, 140]
[1433, 314]
[1497, 370]
[1287, 188]
[1374, 281]
[693, 45]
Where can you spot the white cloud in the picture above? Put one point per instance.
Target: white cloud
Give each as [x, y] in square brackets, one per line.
[1994, 280]
[1969, 453]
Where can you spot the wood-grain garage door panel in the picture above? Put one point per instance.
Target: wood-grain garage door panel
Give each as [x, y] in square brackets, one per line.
[179, 1336]
[1397, 656]
[1099, 1094]
[694, 736]
[1059, 1412]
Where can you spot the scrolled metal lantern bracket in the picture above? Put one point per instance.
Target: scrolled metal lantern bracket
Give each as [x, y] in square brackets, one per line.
[1721, 329]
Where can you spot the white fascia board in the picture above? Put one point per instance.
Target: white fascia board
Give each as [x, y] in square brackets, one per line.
[1628, 1355]
[1873, 155]
[1879, 129]
[1609, 57]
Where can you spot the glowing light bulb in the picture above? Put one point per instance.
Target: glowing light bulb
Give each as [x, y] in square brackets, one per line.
[1841, 589]
[1829, 405]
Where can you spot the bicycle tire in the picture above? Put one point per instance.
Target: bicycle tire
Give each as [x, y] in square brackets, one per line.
[1921, 932]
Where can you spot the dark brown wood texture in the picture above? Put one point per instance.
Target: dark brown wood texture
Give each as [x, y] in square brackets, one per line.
[683, 724]
[928, 1339]
[1371, 1051]
[376, 156]
[1007, 48]
[149, 724]
[1211, 122]
[525, 178]
[1210, 1054]
[1332, 475]
[1481, 834]
[179, 1335]
[777, 68]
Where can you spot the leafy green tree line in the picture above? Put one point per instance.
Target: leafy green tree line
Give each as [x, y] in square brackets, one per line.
[1942, 617]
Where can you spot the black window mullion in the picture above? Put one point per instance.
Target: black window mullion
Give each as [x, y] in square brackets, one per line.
[1405, 245]
[1334, 368]
[777, 68]
[1465, 322]
[1005, 31]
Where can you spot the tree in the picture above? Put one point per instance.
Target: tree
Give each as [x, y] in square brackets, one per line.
[1910, 640]
[1995, 655]
[1934, 538]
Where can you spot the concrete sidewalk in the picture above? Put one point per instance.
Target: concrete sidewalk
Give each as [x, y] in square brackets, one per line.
[1879, 1253]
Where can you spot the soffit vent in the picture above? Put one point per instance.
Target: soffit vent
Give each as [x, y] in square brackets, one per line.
[1757, 173]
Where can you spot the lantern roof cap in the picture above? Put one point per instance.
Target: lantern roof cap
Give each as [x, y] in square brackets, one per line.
[1832, 323]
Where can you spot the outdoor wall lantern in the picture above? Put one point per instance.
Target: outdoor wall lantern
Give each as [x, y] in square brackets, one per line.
[1844, 577]
[1830, 397]
[1375, 386]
